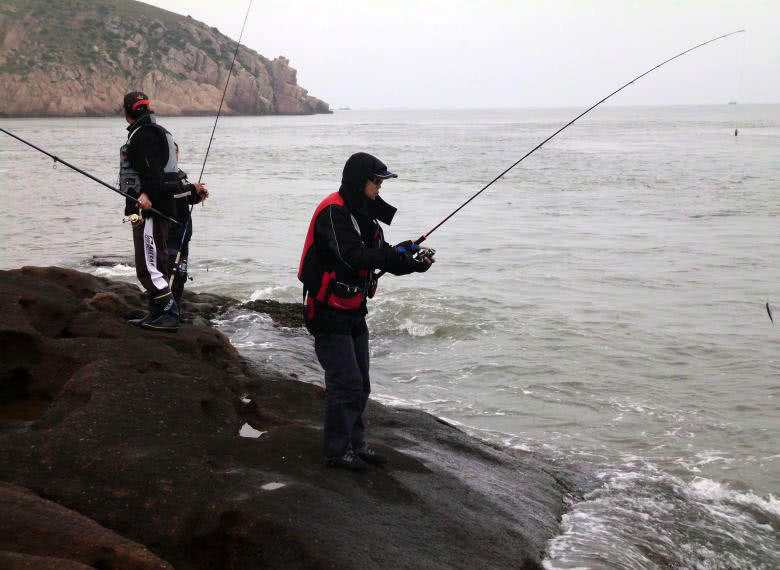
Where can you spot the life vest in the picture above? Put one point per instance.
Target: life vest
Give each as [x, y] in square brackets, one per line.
[339, 287]
[130, 180]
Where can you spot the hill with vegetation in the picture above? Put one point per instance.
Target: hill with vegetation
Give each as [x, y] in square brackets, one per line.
[79, 57]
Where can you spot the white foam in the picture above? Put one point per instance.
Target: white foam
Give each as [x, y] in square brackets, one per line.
[273, 486]
[267, 292]
[248, 431]
[417, 329]
[119, 270]
[709, 490]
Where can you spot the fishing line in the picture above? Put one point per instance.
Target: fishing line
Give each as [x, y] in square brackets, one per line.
[575, 119]
[88, 175]
[205, 158]
[224, 92]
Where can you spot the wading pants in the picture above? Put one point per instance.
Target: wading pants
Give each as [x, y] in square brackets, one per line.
[151, 254]
[345, 361]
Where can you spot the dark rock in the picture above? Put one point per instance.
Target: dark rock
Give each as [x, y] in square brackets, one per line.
[282, 314]
[110, 260]
[142, 436]
[37, 534]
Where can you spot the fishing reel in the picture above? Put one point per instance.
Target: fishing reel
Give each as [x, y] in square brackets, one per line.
[424, 254]
[134, 219]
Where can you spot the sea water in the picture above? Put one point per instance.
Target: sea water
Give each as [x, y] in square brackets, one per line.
[603, 303]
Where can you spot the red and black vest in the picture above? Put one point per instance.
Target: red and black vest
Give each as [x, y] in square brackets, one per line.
[337, 286]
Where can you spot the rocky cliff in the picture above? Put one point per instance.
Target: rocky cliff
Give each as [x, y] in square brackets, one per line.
[79, 57]
[125, 449]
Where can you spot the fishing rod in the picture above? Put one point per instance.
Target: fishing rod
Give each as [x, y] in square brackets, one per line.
[423, 237]
[88, 175]
[205, 158]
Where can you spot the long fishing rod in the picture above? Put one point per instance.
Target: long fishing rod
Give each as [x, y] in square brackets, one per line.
[205, 158]
[88, 175]
[423, 237]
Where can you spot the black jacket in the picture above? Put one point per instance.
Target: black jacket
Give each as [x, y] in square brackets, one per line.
[148, 155]
[340, 244]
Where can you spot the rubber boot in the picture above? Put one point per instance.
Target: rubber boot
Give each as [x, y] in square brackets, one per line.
[165, 314]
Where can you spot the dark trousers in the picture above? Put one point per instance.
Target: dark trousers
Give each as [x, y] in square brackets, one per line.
[345, 360]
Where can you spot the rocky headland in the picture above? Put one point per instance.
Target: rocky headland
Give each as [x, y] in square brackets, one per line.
[125, 449]
[74, 58]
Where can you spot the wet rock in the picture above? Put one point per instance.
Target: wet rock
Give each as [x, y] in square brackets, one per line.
[38, 534]
[110, 260]
[282, 314]
[142, 435]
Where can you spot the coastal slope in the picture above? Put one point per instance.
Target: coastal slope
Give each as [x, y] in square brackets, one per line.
[79, 57]
[198, 460]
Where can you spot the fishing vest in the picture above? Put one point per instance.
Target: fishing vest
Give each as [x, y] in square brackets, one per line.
[129, 179]
[339, 286]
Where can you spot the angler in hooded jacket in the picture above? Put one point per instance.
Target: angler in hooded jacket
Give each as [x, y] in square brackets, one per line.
[344, 246]
[148, 171]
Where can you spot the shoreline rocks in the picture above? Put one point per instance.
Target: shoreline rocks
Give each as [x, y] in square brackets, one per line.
[142, 434]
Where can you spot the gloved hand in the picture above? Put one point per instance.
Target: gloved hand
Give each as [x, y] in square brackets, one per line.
[407, 246]
[419, 263]
[422, 266]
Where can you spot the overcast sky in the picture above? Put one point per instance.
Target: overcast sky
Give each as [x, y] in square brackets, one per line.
[510, 53]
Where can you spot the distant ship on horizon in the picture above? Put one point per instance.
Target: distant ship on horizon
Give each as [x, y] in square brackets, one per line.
[733, 102]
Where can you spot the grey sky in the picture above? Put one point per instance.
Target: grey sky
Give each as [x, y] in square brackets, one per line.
[510, 53]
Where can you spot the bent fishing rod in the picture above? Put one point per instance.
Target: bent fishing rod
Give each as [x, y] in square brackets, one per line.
[88, 175]
[177, 262]
[423, 237]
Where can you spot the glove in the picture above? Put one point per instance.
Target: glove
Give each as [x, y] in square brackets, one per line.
[407, 246]
[414, 265]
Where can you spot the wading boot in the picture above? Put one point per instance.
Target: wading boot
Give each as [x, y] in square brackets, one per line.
[348, 461]
[164, 315]
[370, 456]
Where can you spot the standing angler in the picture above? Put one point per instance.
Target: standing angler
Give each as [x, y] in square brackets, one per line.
[179, 236]
[343, 247]
[148, 171]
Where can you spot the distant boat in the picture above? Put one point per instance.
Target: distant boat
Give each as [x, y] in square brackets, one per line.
[733, 102]
[344, 109]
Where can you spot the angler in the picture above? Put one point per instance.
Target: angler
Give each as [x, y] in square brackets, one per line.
[343, 247]
[148, 171]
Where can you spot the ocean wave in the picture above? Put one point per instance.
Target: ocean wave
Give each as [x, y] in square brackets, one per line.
[276, 292]
[119, 270]
[642, 518]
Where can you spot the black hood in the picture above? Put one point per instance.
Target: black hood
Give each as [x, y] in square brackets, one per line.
[359, 168]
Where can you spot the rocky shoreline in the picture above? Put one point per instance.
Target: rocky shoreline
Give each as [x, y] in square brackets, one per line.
[124, 449]
[102, 49]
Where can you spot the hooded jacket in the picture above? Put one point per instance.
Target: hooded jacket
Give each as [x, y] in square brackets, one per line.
[349, 241]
